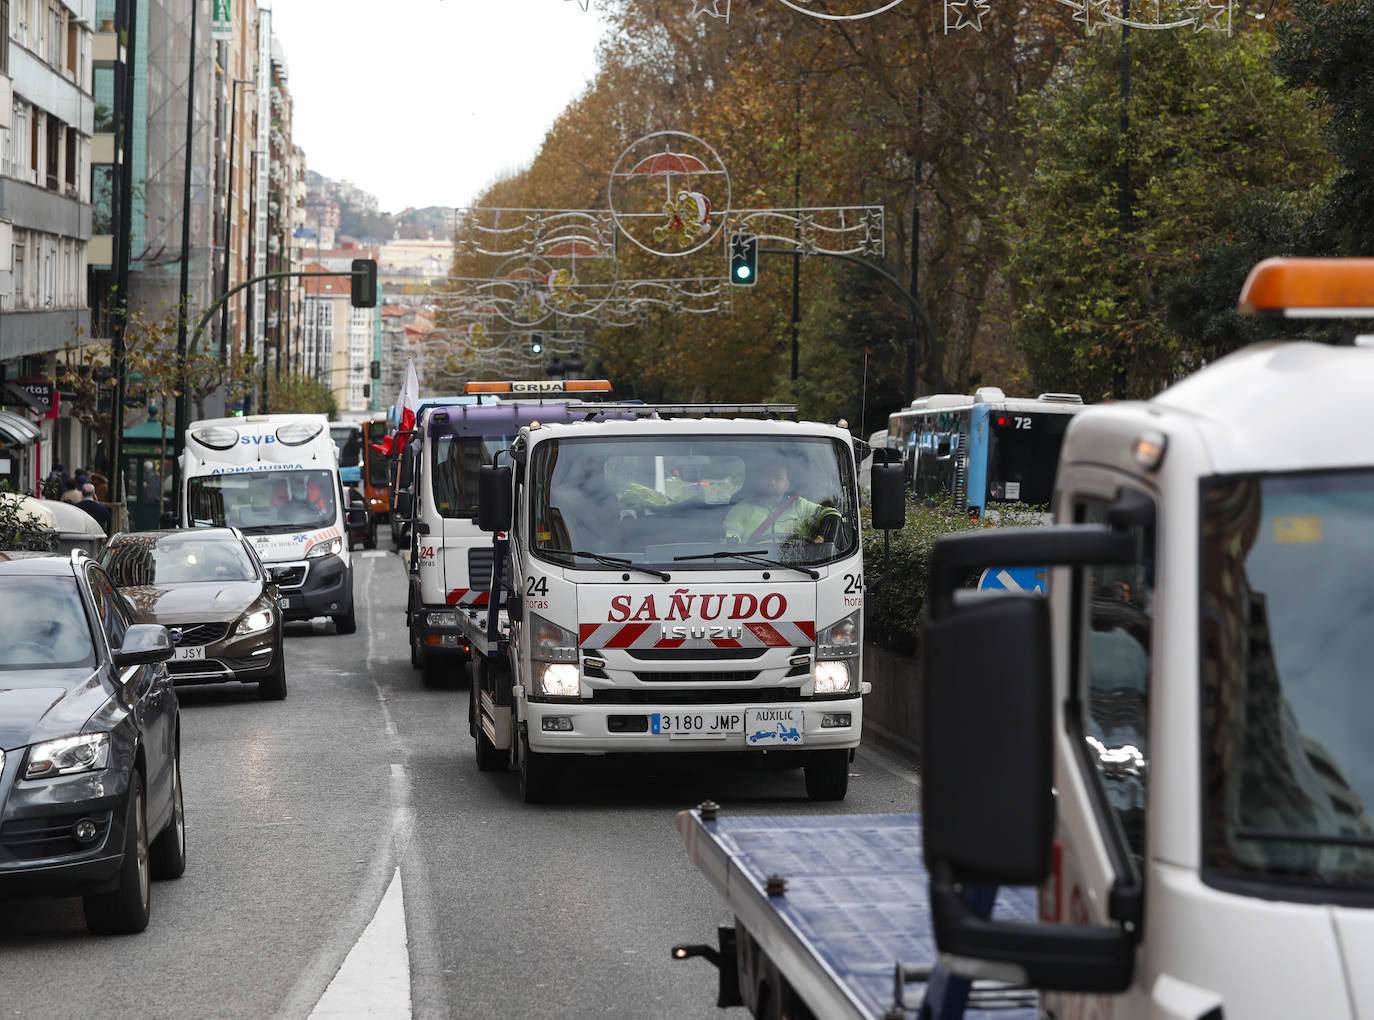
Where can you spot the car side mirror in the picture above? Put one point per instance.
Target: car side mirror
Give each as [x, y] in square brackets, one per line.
[494, 498]
[887, 487]
[144, 643]
[357, 516]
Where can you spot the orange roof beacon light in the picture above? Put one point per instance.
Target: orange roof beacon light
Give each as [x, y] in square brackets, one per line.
[540, 387]
[1310, 288]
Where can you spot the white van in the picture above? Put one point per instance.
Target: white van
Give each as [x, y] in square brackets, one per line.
[276, 478]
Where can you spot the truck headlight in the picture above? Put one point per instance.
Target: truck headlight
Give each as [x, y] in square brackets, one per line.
[558, 679]
[448, 619]
[840, 640]
[550, 642]
[69, 755]
[331, 547]
[832, 677]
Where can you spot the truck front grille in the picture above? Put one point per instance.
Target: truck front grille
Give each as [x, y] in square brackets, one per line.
[700, 696]
[734, 676]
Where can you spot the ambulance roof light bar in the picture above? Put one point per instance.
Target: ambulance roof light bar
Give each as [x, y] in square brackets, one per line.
[539, 387]
[1310, 288]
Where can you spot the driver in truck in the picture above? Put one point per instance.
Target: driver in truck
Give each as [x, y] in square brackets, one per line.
[769, 509]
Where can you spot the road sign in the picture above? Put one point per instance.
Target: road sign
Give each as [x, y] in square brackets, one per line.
[1013, 579]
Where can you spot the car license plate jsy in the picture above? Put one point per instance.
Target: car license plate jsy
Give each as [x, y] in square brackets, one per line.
[697, 725]
[197, 652]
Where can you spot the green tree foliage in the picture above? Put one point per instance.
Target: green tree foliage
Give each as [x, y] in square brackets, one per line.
[1218, 148]
[20, 529]
[1325, 48]
[300, 394]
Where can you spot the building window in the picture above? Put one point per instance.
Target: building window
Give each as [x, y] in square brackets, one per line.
[4, 36]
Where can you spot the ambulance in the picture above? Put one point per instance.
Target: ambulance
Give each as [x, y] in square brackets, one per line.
[276, 478]
[450, 557]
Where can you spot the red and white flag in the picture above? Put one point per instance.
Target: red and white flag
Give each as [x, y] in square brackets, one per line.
[408, 401]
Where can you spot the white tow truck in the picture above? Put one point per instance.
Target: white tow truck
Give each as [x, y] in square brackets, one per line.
[653, 609]
[1172, 750]
[276, 478]
[450, 557]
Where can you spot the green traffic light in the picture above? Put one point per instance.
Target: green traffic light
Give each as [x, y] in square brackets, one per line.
[742, 272]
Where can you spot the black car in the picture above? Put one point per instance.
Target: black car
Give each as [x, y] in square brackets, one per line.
[90, 744]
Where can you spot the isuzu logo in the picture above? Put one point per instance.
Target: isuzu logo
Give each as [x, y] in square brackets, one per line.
[709, 632]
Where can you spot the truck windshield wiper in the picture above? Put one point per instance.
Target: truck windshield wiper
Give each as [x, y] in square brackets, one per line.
[752, 556]
[612, 561]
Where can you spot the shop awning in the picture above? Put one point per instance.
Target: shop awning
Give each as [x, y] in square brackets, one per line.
[16, 430]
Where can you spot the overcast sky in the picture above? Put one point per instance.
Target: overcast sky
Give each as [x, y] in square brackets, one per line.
[425, 102]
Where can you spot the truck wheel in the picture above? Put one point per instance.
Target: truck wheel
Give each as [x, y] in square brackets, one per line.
[432, 670]
[538, 781]
[125, 910]
[346, 623]
[416, 657]
[490, 758]
[827, 774]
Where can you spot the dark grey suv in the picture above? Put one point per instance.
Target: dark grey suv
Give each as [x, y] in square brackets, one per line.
[90, 740]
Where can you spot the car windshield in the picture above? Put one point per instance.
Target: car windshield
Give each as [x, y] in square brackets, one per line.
[264, 500]
[456, 463]
[1287, 701]
[693, 502]
[43, 624]
[141, 559]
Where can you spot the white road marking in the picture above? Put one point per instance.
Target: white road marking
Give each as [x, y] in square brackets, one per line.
[374, 980]
[1008, 582]
[373, 554]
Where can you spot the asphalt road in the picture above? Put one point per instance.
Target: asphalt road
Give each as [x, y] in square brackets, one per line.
[299, 814]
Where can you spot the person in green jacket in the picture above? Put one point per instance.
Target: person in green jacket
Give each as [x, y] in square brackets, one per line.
[771, 511]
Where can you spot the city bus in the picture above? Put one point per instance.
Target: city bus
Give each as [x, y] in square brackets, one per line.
[984, 449]
[348, 437]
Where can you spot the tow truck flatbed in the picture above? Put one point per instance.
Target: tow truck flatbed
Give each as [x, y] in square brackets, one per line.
[851, 930]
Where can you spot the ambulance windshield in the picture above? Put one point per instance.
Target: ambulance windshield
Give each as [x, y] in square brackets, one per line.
[264, 501]
[654, 501]
[1287, 702]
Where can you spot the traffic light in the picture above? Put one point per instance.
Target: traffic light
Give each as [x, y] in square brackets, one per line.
[363, 283]
[744, 259]
[375, 370]
[536, 343]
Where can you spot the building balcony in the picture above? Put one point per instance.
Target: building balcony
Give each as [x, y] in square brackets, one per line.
[103, 147]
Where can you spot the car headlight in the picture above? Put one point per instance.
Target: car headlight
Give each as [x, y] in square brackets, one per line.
[258, 619]
[840, 640]
[550, 642]
[558, 680]
[832, 677]
[68, 756]
[331, 547]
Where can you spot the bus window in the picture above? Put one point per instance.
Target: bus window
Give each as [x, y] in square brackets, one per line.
[1023, 456]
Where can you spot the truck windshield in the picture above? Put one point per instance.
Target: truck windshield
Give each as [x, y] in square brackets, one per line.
[349, 440]
[457, 460]
[1023, 455]
[263, 500]
[378, 463]
[1287, 700]
[652, 501]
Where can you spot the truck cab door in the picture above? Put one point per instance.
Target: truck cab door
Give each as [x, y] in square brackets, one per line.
[1102, 752]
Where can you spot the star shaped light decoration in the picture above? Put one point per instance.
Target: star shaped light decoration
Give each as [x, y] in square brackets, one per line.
[711, 8]
[965, 14]
[1208, 14]
[583, 3]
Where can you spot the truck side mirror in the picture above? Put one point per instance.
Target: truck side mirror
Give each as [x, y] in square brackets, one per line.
[494, 498]
[403, 505]
[987, 756]
[887, 491]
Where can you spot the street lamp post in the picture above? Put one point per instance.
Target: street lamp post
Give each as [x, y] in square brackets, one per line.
[228, 214]
[183, 406]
